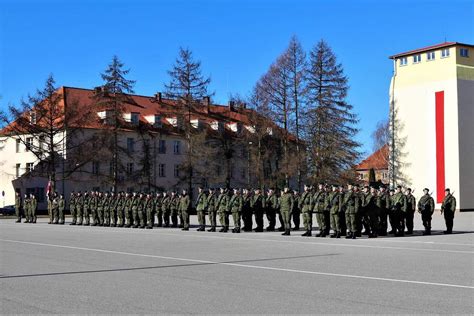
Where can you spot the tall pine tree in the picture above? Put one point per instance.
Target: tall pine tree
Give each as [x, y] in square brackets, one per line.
[112, 97]
[331, 123]
[188, 87]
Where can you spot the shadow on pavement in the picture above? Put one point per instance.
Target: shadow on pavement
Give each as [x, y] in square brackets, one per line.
[161, 267]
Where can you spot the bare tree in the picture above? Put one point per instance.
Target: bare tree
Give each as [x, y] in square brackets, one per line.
[397, 150]
[50, 128]
[297, 68]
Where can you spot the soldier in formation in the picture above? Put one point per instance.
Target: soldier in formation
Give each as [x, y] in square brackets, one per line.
[338, 211]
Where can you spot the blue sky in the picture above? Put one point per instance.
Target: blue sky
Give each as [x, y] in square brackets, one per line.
[235, 40]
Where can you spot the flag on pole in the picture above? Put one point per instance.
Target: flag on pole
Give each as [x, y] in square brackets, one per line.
[48, 188]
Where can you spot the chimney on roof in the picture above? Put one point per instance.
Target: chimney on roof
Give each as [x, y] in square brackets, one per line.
[231, 105]
[206, 101]
[158, 96]
[243, 105]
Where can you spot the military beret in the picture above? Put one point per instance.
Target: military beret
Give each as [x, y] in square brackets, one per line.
[447, 190]
[426, 189]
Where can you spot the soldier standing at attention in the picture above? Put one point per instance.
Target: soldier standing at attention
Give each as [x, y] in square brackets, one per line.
[128, 210]
[18, 207]
[383, 204]
[319, 202]
[93, 207]
[257, 205]
[211, 209]
[87, 208]
[306, 210]
[201, 204]
[448, 207]
[113, 209]
[334, 202]
[426, 207]
[106, 212]
[61, 206]
[410, 214]
[79, 207]
[72, 208]
[26, 208]
[246, 211]
[295, 212]
[148, 207]
[342, 214]
[135, 205]
[286, 207]
[222, 204]
[184, 208]
[398, 209]
[165, 208]
[174, 201]
[235, 207]
[272, 206]
[55, 208]
[371, 211]
[157, 209]
[352, 204]
[33, 206]
[49, 198]
[118, 222]
[100, 209]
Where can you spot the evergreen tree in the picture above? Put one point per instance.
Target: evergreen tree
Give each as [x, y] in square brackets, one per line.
[331, 123]
[187, 86]
[112, 97]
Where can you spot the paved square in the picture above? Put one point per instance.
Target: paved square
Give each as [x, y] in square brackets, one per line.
[78, 269]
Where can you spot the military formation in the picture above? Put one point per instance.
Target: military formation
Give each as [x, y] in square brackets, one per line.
[339, 211]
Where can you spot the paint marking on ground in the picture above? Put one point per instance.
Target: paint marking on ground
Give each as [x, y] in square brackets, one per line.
[351, 276]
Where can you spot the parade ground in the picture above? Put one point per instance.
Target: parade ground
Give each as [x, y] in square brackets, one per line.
[100, 270]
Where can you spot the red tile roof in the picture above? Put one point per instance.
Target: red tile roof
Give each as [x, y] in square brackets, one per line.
[377, 161]
[428, 48]
[82, 100]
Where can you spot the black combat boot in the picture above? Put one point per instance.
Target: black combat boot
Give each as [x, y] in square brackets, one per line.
[222, 230]
[236, 230]
[349, 236]
[259, 230]
[212, 229]
[338, 235]
[73, 223]
[333, 235]
[305, 234]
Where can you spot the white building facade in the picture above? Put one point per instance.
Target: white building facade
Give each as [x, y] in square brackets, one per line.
[432, 105]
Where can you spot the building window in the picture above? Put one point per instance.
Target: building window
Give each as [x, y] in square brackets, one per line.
[162, 146]
[416, 58]
[17, 170]
[130, 168]
[158, 121]
[130, 145]
[464, 52]
[29, 166]
[361, 176]
[111, 168]
[134, 118]
[32, 117]
[161, 170]
[430, 55]
[95, 167]
[445, 52]
[18, 144]
[29, 143]
[176, 171]
[177, 147]
[403, 61]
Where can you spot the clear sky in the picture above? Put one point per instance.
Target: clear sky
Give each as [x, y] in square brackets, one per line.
[235, 40]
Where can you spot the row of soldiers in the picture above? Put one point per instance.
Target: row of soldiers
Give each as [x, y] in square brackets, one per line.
[345, 211]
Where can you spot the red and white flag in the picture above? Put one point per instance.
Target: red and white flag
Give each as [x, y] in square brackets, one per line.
[48, 188]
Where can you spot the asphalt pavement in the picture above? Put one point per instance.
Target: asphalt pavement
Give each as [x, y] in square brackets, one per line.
[101, 270]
